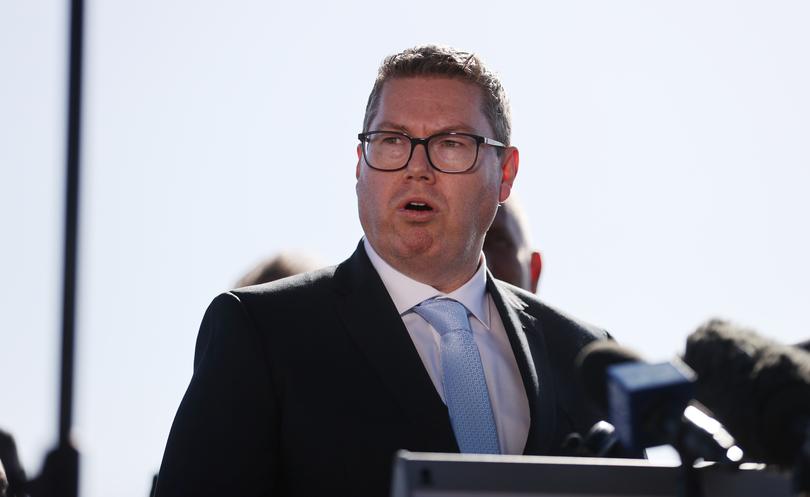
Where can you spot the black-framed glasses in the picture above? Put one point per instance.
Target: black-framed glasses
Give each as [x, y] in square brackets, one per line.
[447, 152]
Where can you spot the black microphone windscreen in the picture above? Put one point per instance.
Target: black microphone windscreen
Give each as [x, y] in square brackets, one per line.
[593, 362]
[758, 388]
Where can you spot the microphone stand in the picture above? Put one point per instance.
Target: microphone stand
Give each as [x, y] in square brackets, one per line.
[60, 473]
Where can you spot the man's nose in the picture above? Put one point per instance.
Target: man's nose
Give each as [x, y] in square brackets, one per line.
[419, 166]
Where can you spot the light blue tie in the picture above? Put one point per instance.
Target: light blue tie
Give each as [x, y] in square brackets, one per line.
[465, 388]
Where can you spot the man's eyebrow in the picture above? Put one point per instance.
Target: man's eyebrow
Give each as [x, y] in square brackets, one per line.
[459, 128]
[389, 126]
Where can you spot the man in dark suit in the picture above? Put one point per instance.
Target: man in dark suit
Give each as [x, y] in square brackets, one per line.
[308, 385]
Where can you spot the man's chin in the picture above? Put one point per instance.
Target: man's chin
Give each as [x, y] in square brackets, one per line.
[407, 250]
[417, 243]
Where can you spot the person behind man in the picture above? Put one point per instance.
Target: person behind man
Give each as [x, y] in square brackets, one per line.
[506, 246]
[282, 265]
[309, 385]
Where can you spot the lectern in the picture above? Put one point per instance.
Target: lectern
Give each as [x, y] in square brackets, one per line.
[455, 475]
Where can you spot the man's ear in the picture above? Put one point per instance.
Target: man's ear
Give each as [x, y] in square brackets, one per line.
[509, 169]
[359, 158]
[536, 265]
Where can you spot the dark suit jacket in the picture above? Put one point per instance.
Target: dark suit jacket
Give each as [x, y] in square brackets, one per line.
[308, 386]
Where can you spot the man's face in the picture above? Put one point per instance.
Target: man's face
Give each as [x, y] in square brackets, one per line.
[439, 242]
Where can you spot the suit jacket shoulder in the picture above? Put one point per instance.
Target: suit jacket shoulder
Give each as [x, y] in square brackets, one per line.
[579, 331]
[297, 292]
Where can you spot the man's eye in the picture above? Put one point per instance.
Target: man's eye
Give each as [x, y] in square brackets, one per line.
[448, 143]
[391, 140]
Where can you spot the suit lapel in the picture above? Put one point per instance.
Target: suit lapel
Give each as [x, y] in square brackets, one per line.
[374, 324]
[532, 360]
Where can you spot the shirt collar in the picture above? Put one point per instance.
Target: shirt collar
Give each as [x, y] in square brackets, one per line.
[406, 292]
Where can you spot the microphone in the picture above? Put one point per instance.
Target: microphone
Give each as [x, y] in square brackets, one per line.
[603, 441]
[600, 441]
[758, 387]
[650, 404]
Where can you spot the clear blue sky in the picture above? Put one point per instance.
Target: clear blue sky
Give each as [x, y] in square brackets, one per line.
[665, 164]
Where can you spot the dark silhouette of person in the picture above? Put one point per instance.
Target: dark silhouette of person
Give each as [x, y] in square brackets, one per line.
[14, 474]
[3, 480]
[508, 253]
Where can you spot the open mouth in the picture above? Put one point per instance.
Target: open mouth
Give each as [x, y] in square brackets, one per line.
[418, 206]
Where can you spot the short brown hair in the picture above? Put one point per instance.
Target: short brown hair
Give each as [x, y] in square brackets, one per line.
[434, 60]
[280, 266]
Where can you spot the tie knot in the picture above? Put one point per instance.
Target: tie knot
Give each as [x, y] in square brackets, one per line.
[445, 315]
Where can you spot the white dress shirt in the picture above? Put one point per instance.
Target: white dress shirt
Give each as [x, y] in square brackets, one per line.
[510, 405]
